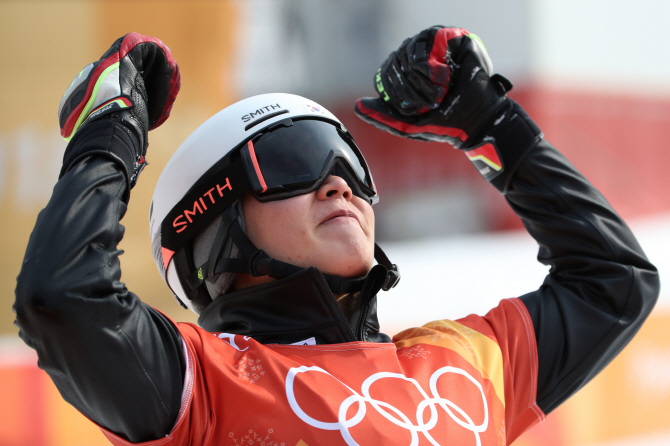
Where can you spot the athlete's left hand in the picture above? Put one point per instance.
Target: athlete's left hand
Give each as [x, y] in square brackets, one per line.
[437, 86]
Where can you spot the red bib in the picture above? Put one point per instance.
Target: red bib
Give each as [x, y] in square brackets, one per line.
[466, 382]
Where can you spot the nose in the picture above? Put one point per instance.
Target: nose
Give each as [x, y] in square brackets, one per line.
[334, 187]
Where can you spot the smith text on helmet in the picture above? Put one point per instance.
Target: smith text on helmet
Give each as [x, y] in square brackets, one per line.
[200, 206]
[261, 111]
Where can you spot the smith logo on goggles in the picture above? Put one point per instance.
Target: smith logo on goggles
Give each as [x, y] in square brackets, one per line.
[287, 159]
[200, 205]
[205, 201]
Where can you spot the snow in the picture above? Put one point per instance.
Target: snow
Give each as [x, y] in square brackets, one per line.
[451, 278]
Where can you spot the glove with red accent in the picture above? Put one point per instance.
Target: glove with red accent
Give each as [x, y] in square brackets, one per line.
[438, 86]
[135, 83]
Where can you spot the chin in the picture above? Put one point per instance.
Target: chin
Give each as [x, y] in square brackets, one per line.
[348, 273]
[349, 266]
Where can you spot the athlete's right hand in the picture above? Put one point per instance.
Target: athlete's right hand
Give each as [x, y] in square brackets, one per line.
[136, 82]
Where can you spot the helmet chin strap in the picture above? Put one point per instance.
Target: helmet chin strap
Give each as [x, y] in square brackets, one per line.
[258, 263]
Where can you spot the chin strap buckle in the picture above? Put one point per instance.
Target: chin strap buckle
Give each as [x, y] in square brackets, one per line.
[259, 263]
[392, 278]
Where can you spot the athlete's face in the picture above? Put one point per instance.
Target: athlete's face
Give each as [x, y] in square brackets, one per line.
[329, 228]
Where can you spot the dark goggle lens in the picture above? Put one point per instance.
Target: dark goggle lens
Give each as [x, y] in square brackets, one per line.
[297, 154]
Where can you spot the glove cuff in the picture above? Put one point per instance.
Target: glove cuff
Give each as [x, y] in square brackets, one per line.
[109, 138]
[503, 146]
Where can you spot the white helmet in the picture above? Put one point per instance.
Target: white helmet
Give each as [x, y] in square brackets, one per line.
[275, 145]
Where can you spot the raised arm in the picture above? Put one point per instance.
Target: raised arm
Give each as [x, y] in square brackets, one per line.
[600, 288]
[438, 86]
[112, 357]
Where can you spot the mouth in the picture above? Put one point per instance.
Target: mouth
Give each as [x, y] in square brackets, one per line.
[340, 213]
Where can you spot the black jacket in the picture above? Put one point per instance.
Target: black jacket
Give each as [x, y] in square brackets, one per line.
[120, 361]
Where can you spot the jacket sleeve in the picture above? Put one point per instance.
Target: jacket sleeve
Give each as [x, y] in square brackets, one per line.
[600, 287]
[115, 359]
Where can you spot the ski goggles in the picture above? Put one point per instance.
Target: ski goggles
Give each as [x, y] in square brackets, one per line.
[294, 157]
[289, 158]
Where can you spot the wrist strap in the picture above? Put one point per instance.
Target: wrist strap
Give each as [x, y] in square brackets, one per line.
[504, 145]
[108, 138]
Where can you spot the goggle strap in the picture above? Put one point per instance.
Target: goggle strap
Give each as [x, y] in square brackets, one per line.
[210, 197]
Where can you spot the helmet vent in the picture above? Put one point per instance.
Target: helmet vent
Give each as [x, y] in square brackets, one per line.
[264, 118]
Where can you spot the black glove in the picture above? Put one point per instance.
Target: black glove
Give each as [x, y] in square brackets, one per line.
[437, 87]
[135, 83]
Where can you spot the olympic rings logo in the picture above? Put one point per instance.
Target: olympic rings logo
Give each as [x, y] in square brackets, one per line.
[391, 413]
